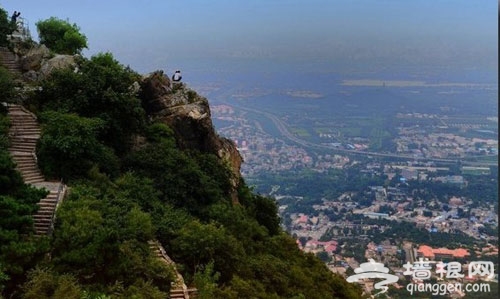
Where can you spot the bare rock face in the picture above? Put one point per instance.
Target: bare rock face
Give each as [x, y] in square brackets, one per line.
[32, 60]
[39, 62]
[188, 114]
[57, 62]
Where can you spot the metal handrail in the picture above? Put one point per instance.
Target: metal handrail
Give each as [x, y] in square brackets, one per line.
[60, 190]
[22, 29]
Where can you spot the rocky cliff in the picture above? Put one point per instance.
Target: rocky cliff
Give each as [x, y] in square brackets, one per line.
[188, 114]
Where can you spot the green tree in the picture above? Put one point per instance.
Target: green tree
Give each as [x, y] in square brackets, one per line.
[6, 85]
[198, 244]
[44, 283]
[5, 27]
[99, 90]
[101, 238]
[205, 280]
[194, 186]
[68, 147]
[60, 36]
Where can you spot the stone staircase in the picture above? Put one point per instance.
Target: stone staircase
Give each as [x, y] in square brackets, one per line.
[178, 290]
[23, 134]
[10, 61]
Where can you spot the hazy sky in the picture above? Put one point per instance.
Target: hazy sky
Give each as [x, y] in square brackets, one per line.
[167, 34]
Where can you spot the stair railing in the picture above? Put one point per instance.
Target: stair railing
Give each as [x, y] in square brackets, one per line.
[60, 194]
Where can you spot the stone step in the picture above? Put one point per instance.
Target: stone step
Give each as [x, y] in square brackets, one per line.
[29, 176]
[177, 294]
[47, 205]
[34, 180]
[20, 113]
[25, 130]
[27, 168]
[49, 199]
[177, 291]
[41, 229]
[49, 212]
[22, 146]
[21, 119]
[41, 225]
[21, 160]
[46, 213]
[20, 142]
[29, 172]
[25, 163]
[42, 218]
[22, 157]
[21, 149]
[30, 139]
[29, 127]
[25, 133]
[47, 209]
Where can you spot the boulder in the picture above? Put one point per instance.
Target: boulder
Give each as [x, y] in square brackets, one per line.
[57, 62]
[32, 60]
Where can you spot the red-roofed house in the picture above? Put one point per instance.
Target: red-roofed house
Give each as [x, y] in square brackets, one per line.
[441, 253]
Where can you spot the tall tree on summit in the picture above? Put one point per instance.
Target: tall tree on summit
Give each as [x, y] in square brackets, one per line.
[5, 27]
[60, 36]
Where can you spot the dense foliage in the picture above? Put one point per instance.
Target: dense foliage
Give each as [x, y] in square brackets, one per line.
[61, 36]
[100, 89]
[6, 85]
[5, 27]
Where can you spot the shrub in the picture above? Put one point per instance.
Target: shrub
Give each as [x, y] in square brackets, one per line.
[60, 36]
[6, 85]
[5, 28]
[69, 147]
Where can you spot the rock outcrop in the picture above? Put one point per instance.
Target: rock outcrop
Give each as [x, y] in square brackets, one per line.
[32, 60]
[37, 61]
[57, 62]
[188, 114]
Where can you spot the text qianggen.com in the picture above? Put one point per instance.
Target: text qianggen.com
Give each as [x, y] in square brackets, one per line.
[448, 288]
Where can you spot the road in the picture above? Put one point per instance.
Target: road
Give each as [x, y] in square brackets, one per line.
[282, 127]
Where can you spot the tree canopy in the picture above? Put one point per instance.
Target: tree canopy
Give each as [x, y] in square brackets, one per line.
[61, 36]
[5, 27]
